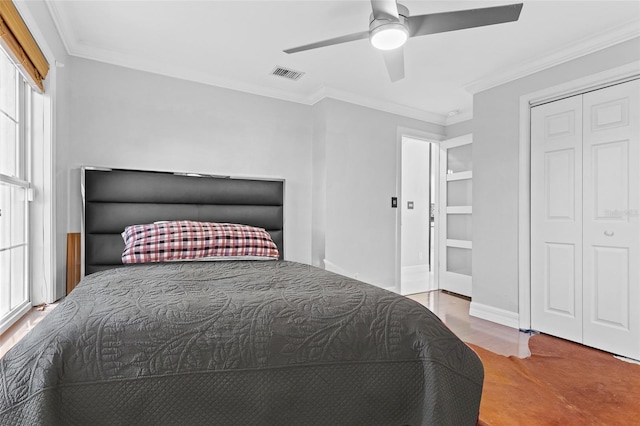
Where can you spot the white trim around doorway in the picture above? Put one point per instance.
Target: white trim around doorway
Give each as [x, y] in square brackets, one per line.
[571, 88]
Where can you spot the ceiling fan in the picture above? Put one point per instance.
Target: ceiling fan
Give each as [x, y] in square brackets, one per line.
[390, 25]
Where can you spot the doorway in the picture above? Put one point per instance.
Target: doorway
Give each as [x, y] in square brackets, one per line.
[417, 224]
[434, 222]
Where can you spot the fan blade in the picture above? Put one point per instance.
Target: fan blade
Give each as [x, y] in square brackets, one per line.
[461, 19]
[394, 59]
[385, 9]
[329, 42]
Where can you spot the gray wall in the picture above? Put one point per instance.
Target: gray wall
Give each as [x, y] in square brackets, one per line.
[338, 159]
[496, 167]
[319, 185]
[123, 118]
[361, 156]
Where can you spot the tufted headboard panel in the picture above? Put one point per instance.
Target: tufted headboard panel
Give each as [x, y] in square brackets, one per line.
[114, 199]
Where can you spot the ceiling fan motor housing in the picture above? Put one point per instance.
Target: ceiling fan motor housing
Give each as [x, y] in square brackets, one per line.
[387, 25]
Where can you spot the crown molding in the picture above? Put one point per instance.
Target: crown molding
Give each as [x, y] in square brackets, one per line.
[364, 101]
[178, 72]
[317, 96]
[574, 50]
[459, 118]
[62, 24]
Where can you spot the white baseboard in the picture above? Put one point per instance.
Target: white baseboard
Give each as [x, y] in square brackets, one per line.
[415, 279]
[497, 315]
[332, 267]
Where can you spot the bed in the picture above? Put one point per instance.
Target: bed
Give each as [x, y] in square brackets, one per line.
[227, 342]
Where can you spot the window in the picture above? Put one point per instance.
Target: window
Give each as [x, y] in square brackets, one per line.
[14, 193]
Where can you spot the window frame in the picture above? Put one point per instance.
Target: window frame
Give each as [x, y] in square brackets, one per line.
[21, 180]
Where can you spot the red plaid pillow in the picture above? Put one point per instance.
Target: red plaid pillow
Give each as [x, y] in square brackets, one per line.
[187, 240]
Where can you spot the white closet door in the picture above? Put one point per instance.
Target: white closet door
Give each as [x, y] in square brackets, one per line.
[556, 218]
[611, 273]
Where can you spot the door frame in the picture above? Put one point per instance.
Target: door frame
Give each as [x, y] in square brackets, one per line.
[527, 101]
[434, 138]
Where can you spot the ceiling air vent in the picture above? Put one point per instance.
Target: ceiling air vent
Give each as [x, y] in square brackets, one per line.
[287, 73]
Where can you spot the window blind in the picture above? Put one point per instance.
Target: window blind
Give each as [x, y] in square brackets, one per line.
[19, 44]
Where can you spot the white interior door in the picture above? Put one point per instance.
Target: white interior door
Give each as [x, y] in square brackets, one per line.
[455, 215]
[611, 224]
[556, 218]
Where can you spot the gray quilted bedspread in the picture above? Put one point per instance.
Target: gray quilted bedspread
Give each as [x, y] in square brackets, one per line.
[238, 343]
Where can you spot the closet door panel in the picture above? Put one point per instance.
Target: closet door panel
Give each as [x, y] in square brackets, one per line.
[611, 231]
[610, 180]
[610, 274]
[556, 218]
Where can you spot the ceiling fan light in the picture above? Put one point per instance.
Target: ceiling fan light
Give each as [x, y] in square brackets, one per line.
[389, 36]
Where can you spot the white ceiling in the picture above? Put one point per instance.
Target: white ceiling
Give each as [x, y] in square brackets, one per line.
[236, 44]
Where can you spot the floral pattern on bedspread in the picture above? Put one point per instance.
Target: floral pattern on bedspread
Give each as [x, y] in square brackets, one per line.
[159, 320]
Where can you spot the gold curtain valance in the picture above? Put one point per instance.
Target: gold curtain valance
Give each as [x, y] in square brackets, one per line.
[19, 44]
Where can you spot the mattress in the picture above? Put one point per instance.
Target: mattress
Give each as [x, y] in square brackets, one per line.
[238, 343]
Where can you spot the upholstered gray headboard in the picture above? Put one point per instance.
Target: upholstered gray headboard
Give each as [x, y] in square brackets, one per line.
[114, 199]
